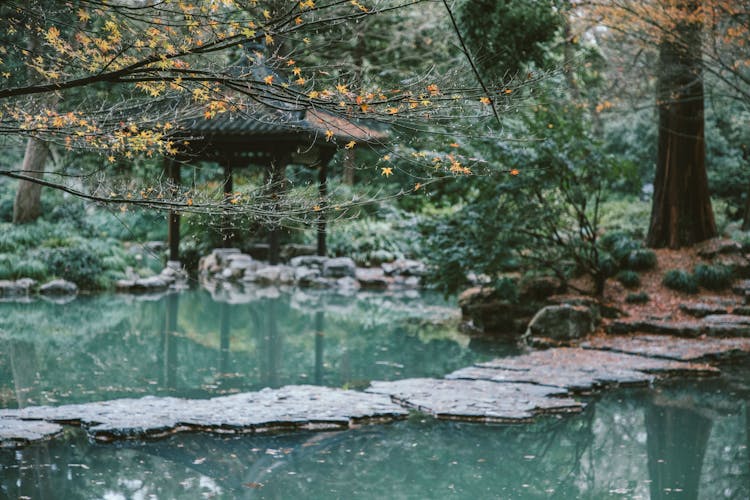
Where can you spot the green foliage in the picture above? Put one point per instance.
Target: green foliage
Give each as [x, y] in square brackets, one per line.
[641, 259]
[492, 29]
[637, 298]
[506, 289]
[371, 241]
[620, 245]
[682, 281]
[629, 279]
[711, 277]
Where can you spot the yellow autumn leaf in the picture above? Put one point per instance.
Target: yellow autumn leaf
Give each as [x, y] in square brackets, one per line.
[350, 144]
[329, 135]
[386, 171]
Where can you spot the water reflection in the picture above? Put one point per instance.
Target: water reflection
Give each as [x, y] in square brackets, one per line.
[606, 452]
[191, 345]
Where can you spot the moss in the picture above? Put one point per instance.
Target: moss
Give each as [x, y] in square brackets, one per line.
[637, 298]
[641, 259]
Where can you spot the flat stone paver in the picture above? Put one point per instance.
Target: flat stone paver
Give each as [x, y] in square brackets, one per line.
[477, 400]
[14, 432]
[291, 407]
[677, 348]
[580, 370]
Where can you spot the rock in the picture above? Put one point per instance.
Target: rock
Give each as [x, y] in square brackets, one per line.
[347, 283]
[59, 287]
[339, 267]
[700, 309]
[726, 325]
[491, 314]
[742, 288]
[404, 267]
[289, 408]
[305, 275]
[711, 248]
[741, 311]
[580, 370]
[660, 327]
[477, 400]
[561, 323]
[11, 289]
[371, 278]
[222, 255]
[16, 433]
[678, 348]
[28, 284]
[275, 274]
[315, 261]
[150, 284]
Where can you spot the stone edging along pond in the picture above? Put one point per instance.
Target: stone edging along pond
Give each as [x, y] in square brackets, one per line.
[504, 390]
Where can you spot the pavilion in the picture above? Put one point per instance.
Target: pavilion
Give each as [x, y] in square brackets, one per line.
[271, 139]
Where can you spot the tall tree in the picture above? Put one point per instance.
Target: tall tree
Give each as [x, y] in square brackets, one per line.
[681, 214]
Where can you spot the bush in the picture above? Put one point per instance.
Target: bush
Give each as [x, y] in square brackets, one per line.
[619, 244]
[637, 298]
[629, 279]
[641, 259]
[31, 268]
[677, 279]
[713, 277]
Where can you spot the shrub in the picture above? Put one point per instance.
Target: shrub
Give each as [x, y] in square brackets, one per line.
[31, 268]
[713, 277]
[637, 298]
[630, 279]
[641, 259]
[619, 245]
[677, 279]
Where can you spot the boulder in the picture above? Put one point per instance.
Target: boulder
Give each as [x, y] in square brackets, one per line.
[339, 267]
[315, 261]
[306, 275]
[561, 323]
[347, 283]
[488, 312]
[150, 284]
[222, 255]
[372, 278]
[11, 289]
[274, 274]
[404, 267]
[539, 288]
[293, 250]
[59, 287]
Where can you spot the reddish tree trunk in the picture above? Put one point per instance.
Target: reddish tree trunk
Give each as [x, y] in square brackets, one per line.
[681, 214]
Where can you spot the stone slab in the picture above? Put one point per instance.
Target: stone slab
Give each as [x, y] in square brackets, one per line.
[291, 407]
[15, 432]
[580, 370]
[477, 400]
[677, 348]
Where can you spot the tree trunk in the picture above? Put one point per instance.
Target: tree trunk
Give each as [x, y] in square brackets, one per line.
[681, 214]
[27, 205]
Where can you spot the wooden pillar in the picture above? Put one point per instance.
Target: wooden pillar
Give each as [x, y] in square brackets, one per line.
[325, 158]
[277, 173]
[173, 231]
[227, 233]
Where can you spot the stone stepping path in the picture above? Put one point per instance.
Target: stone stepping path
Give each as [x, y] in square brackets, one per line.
[477, 400]
[581, 370]
[676, 348]
[302, 407]
[713, 325]
[514, 389]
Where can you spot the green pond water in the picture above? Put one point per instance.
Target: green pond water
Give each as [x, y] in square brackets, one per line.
[684, 439]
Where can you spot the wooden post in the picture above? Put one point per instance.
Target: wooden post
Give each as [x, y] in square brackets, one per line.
[227, 233]
[173, 231]
[325, 158]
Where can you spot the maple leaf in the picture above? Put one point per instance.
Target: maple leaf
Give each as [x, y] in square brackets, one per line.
[350, 144]
[268, 79]
[300, 81]
[267, 14]
[433, 89]
[296, 71]
[386, 171]
[485, 100]
[297, 20]
[329, 135]
[514, 171]
[291, 62]
[342, 88]
[417, 186]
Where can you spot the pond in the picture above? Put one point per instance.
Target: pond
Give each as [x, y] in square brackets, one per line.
[189, 345]
[678, 440]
